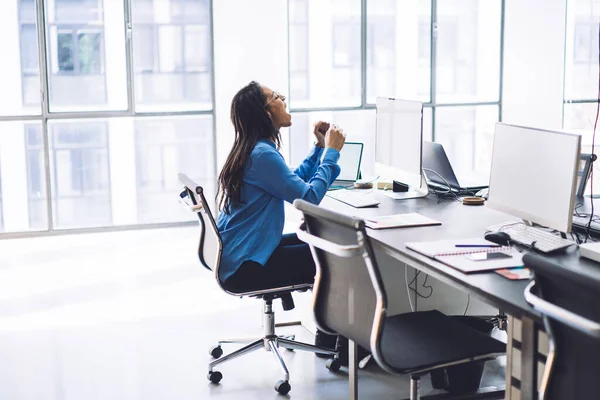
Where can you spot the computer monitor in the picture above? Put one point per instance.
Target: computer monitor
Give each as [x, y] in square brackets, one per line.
[534, 175]
[399, 141]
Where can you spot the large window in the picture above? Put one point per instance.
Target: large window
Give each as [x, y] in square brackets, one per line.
[172, 56]
[391, 52]
[88, 159]
[581, 66]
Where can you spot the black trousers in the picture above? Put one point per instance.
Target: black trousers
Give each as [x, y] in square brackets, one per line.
[290, 264]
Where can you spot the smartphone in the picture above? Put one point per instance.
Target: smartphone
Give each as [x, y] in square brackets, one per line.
[487, 256]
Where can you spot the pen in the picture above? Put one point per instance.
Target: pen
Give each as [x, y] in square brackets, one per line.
[477, 245]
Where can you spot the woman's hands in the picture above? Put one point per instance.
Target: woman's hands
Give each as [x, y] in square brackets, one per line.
[335, 138]
[329, 135]
[320, 128]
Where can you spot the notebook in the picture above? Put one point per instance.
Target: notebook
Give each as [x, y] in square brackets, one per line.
[400, 221]
[461, 258]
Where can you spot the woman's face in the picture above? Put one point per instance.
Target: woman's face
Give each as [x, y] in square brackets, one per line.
[276, 108]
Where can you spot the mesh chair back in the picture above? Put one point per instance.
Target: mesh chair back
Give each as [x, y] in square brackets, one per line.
[349, 297]
[210, 246]
[572, 319]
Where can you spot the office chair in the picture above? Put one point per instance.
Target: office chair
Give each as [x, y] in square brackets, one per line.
[570, 304]
[209, 253]
[350, 299]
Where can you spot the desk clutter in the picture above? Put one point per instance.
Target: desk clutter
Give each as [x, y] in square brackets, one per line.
[469, 255]
[408, 220]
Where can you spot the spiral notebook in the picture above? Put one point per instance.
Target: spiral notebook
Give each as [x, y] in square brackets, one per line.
[446, 252]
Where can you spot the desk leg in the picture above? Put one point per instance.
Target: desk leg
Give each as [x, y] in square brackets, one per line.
[529, 348]
[353, 369]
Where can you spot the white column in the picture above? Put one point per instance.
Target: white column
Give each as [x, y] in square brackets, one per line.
[123, 183]
[11, 101]
[13, 167]
[246, 49]
[534, 62]
[115, 62]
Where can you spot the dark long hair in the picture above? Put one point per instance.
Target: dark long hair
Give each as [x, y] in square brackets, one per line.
[251, 123]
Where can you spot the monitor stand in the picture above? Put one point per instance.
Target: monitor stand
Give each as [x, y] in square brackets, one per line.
[413, 193]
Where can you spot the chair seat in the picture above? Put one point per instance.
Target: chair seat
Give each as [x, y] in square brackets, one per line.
[423, 341]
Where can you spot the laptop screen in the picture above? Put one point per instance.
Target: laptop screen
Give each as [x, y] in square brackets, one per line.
[349, 162]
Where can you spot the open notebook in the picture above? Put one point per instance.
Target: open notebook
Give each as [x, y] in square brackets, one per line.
[463, 259]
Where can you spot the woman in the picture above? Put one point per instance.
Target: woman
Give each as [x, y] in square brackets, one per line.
[254, 183]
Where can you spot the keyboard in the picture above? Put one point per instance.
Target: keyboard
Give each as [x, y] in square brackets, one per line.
[520, 233]
[353, 198]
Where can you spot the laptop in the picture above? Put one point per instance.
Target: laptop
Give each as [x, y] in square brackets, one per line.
[349, 162]
[435, 159]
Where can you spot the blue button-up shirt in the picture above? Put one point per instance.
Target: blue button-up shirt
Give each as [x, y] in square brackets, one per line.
[253, 228]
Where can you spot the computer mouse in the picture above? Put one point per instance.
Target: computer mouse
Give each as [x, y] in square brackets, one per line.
[482, 193]
[500, 238]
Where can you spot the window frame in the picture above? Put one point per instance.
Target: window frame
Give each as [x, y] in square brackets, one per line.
[37, 17]
[432, 103]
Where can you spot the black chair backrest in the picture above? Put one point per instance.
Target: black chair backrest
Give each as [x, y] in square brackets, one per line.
[349, 297]
[210, 246]
[570, 303]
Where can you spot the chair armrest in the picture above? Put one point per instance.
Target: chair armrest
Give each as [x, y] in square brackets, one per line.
[346, 251]
[560, 314]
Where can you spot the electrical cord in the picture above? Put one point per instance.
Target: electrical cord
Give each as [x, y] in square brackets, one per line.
[589, 224]
[448, 191]
[412, 308]
[468, 302]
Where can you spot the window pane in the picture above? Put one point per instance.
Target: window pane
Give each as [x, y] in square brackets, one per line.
[80, 174]
[468, 51]
[467, 134]
[22, 181]
[172, 56]
[19, 80]
[581, 58]
[359, 126]
[427, 124]
[165, 147]
[86, 55]
[328, 30]
[580, 118]
[398, 49]
[121, 171]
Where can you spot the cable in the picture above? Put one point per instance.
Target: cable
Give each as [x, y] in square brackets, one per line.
[412, 308]
[468, 302]
[448, 191]
[589, 225]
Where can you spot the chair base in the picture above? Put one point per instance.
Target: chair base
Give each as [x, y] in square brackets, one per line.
[270, 342]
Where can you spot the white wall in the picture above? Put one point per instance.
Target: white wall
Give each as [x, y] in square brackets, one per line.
[534, 48]
[252, 44]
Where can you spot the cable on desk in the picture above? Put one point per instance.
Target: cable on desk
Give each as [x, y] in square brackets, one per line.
[412, 308]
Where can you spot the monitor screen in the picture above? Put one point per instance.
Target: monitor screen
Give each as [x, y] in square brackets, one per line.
[534, 175]
[399, 135]
[349, 162]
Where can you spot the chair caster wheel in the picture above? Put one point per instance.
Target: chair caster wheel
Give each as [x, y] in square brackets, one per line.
[215, 351]
[333, 364]
[215, 376]
[289, 349]
[283, 387]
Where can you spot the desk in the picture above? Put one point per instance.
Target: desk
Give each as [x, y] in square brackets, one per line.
[459, 221]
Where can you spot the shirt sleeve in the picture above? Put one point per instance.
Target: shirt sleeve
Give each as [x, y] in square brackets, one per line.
[310, 164]
[270, 172]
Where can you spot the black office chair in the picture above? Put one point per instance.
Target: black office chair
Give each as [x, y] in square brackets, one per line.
[350, 299]
[570, 304]
[209, 252]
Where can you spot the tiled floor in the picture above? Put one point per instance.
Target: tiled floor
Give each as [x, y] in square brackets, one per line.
[131, 315]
